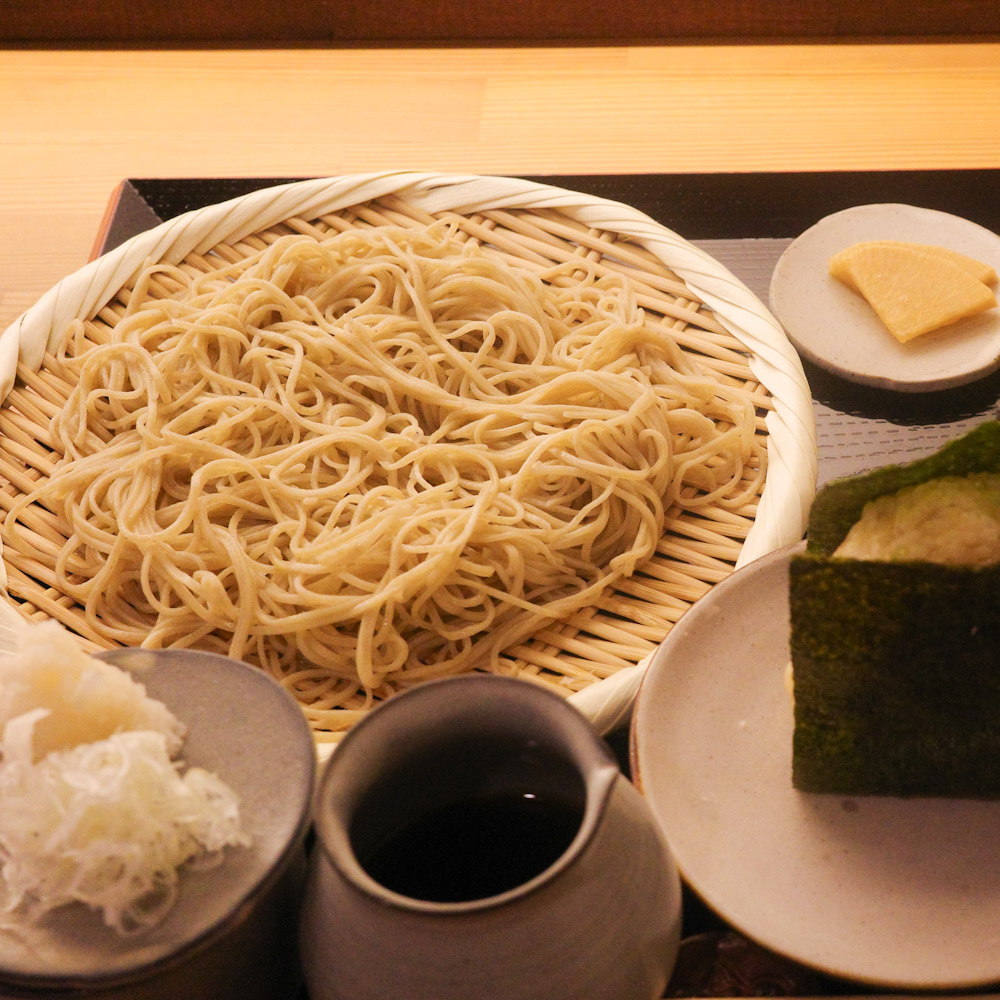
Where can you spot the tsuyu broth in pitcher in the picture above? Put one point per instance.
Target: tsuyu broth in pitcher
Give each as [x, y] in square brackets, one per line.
[476, 839]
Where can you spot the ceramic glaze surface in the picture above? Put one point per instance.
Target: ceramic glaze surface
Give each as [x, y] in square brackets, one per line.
[835, 327]
[898, 893]
[601, 921]
[231, 932]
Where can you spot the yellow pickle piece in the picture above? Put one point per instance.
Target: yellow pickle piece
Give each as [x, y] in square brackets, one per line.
[914, 288]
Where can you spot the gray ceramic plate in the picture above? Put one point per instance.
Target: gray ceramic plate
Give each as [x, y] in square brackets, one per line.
[900, 893]
[836, 329]
[250, 732]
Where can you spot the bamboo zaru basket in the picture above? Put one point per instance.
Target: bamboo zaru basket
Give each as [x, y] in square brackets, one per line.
[594, 656]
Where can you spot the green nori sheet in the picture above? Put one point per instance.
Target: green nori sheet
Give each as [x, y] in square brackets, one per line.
[897, 665]
[838, 505]
[897, 678]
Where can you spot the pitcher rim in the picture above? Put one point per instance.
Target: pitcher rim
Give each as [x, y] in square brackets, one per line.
[333, 836]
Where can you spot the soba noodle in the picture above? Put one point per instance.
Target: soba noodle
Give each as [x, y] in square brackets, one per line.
[376, 458]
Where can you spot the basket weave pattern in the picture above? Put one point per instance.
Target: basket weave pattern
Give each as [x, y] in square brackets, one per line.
[699, 549]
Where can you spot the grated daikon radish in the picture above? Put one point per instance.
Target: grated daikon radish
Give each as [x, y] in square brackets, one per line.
[107, 821]
[86, 699]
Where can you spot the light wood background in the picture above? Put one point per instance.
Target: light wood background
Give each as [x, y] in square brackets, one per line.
[74, 122]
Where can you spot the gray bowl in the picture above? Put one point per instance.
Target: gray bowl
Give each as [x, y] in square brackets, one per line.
[232, 930]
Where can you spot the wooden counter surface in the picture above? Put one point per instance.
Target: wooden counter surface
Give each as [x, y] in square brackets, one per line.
[75, 123]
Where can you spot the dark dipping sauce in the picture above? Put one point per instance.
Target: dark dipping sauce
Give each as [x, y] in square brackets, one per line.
[468, 820]
[475, 848]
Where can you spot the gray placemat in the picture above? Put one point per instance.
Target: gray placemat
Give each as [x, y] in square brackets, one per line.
[859, 428]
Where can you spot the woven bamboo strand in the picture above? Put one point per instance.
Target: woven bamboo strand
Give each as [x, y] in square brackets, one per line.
[708, 312]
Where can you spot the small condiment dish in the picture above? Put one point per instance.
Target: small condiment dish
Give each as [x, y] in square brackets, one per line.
[231, 934]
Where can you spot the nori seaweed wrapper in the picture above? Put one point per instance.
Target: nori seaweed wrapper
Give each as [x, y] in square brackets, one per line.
[896, 665]
[838, 505]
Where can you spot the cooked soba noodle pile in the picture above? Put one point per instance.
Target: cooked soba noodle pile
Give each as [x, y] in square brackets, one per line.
[376, 458]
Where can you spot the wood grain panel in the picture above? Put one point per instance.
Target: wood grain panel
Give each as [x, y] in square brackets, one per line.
[75, 123]
[504, 22]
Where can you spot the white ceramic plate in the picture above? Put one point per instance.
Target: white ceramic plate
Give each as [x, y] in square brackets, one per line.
[897, 893]
[837, 330]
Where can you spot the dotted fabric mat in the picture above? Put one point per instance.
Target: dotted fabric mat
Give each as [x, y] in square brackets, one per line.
[859, 428]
